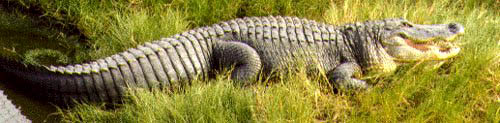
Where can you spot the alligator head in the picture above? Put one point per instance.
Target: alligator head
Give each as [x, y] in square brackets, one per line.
[407, 42]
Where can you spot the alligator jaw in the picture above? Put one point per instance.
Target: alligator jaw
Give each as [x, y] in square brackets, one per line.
[442, 45]
[403, 49]
[438, 48]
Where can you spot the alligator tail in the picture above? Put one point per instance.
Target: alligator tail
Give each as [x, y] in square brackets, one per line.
[159, 64]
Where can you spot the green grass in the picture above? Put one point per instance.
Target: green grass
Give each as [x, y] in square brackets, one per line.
[466, 89]
[217, 102]
[19, 34]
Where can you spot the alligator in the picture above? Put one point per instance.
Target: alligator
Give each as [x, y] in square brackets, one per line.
[9, 113]
[251, 46]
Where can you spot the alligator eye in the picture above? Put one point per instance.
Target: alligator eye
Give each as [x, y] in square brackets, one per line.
[403, 36]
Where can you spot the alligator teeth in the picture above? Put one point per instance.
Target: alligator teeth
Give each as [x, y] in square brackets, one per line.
[441, 45]
[445, 46]
[444, 49]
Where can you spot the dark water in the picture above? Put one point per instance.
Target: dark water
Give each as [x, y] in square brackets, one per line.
[19, 34]
[34, 109]
[17, 42]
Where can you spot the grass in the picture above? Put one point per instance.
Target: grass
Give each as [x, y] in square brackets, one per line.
[198, 103]
[466, 89]
[14, 43]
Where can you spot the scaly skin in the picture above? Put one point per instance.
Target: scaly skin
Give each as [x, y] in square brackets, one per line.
[251, 45]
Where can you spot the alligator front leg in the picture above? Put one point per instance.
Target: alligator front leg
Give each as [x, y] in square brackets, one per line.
[243, 58]
[345, 76]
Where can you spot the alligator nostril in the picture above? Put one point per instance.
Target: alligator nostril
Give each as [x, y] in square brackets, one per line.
[455, 28]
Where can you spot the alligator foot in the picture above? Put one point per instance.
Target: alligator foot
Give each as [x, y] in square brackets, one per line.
[243, 58]
[344, 77]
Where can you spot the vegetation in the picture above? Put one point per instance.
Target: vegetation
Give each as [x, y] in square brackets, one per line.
[467, 88]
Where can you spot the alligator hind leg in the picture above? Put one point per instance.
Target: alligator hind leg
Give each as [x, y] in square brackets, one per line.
[244, 58]
[345, 77]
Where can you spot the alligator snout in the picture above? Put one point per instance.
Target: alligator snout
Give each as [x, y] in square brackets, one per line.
[456, 28]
